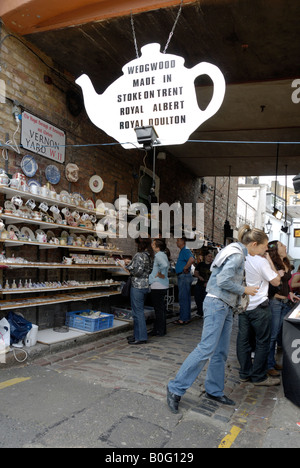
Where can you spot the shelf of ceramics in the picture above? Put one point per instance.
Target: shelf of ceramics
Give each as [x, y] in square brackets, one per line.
[47, 300]
[47, 245]
[28, 195]
[78, 266]
[46, 225]
[62, 288]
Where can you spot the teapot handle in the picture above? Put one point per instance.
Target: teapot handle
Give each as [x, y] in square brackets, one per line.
[219, 83]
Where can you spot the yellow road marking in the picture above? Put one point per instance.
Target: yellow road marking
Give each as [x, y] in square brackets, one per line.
[11, 382]
[230, 438]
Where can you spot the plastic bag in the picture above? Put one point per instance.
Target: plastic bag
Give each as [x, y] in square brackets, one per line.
[126, 288]
[19, 327]
[4, 337]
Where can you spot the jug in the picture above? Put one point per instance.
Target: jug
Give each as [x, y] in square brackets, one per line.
[156, 90]
[4, 179]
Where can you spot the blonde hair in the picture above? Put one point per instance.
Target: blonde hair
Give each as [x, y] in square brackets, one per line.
[246, 235]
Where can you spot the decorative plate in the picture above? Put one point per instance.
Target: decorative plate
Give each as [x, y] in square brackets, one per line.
[90, 204]
[72, 172]
[29, 165]
[28, 233]
[96, 184]
[52, 174]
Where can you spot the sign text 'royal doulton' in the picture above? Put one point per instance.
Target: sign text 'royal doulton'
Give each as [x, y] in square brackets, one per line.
[155, 90]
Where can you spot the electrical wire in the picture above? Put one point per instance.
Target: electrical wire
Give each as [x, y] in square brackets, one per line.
[11, 143]
[234, 142]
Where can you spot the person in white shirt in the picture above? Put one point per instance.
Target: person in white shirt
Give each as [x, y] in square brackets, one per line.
[256, 320]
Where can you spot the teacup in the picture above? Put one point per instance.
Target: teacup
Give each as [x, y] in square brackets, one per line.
[34, 189]
[54, 209]
[17, 201]
[76, 215]
[14, 183]
[66, 212]
[53, 194]
[40, 237]
[44, 191]
[31, 204]
[67, 261]
[85, 217]
[63, 241]
[44, 207]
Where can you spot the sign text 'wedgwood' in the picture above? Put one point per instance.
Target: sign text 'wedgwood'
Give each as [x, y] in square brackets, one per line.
[155, 90]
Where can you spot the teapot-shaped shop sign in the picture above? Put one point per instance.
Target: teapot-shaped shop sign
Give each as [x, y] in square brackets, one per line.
[155, 90]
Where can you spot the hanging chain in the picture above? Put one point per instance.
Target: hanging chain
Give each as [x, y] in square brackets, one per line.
[173, 29]
[134, 36]
[170, 36]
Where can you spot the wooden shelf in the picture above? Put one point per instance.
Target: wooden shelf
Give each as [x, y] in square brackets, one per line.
[28, 195]
[45, 225]
[57, 289]
[83, 266]
[47, 300]
[47, 245]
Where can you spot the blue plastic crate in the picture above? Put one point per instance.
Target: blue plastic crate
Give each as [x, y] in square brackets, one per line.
[75, 320]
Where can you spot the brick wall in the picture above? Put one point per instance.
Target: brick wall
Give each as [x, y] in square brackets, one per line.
[23, 74]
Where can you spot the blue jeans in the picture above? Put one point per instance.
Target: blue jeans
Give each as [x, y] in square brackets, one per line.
[279, 310]
[214, 346]
[184, 290]
[137, 299]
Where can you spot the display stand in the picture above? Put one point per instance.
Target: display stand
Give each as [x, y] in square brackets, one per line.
[62, 290]
[291, 355]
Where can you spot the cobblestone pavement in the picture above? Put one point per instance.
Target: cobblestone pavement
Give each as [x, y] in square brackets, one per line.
[146, 369]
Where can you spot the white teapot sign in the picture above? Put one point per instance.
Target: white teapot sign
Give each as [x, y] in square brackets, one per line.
[155, 90]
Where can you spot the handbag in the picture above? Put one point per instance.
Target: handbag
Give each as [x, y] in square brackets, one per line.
[243, 301]
[126, 288]
[242, 304]
[19, 327]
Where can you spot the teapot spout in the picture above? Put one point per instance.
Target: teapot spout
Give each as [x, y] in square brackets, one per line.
[92, 100]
